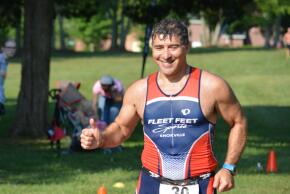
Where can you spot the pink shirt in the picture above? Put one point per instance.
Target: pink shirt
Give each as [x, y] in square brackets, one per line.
[97, 88]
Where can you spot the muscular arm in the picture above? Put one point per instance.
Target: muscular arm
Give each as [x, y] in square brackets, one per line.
[218, 97]
[229, 108]
[124, 123]
[95, 103]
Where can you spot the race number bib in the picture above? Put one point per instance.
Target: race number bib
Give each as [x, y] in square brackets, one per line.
[175, 189]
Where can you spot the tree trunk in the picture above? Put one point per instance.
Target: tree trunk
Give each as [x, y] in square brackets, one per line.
[53, 48]
[114, 15]
[267, 36]
[32, 104]
[205, 37]
[216, 33]
[277, 33]
[124, 27]
[61, 33]
[18, 36]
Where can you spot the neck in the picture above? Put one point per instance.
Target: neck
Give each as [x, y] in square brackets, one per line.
[176, 77]
[171, 85]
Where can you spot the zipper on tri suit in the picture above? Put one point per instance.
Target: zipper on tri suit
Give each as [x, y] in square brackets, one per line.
[171, 116]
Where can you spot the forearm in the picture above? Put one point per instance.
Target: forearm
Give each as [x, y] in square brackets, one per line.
[236, 142]
[94, 104]
[114, 135]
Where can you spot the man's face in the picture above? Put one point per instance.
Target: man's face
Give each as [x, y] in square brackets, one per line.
[169, 53]
[9, 49]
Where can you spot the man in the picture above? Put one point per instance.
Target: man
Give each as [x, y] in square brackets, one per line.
[8, 50]
[287, 42]
[178, 106]
[107, 98]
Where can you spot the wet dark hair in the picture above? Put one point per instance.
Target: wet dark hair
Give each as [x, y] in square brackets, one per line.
[169, 28]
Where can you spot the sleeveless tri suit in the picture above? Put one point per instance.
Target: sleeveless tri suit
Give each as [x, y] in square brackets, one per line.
[177, 138]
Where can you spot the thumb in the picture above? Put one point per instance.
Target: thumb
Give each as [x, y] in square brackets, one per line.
[216, 182]
[92, 123]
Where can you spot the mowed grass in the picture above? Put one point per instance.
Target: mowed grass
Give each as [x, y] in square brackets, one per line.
[260, 79]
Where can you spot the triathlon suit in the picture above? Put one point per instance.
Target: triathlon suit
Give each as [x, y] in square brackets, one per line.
[177, 141]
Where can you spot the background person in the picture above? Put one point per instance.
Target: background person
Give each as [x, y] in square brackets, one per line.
[107, 98]
[8, 50]
[287, 42]
[178, 107]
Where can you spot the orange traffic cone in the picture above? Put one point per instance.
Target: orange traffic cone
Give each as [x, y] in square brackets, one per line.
[102, 190]
[271, 163]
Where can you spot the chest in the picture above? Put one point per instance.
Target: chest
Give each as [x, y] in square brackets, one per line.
[173, 111]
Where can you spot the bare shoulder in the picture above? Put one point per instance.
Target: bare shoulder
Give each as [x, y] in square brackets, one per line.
[213, 84]
[216, 95]
[135, 96]
[137, 89]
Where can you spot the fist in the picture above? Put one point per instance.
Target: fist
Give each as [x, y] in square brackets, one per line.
[223, 180]
[91, 138]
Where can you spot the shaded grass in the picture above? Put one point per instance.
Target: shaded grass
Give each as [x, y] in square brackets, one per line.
[260, 79]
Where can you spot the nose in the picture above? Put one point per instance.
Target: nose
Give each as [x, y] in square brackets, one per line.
[166, 54]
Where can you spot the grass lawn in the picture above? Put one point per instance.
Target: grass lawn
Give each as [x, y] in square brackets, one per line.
[260, 79]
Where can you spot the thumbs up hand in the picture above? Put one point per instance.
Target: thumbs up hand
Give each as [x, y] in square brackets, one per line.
[91, 138]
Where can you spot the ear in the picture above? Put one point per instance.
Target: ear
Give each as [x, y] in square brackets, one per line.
[187, 47]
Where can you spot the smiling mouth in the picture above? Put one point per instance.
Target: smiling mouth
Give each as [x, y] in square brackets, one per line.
[167, 62]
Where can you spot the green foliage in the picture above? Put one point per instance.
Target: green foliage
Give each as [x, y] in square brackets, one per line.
[271, 8]
[265, 13]
[75, 8]
[92, 31]
[3, 35]
[227, 11]
[10, 12]
[149, 12]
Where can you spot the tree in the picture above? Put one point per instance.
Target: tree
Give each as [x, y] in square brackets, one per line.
[217, 14]
[220, 15]
[115, 10]
[269, 14]
[10, 12]
[125, 24]
[95, 19]
[149, 12]
[92, 31]
[32, 103]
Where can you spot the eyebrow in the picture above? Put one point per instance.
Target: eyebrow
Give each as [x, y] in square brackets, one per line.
[158, 45]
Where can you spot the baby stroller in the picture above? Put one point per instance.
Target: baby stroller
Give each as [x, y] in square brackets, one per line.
[55, 132]
[71, 114]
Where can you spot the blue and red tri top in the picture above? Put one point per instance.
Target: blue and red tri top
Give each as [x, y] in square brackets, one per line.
[177, 136]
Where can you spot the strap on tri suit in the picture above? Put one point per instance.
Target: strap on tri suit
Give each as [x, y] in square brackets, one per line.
[188, 181]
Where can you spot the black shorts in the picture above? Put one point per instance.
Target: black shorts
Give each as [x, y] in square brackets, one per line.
[148, 183]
